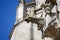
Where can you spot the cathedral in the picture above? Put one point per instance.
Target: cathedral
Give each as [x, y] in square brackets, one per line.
[37, 20]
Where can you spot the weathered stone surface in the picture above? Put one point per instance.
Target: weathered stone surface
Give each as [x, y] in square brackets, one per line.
[26, 31]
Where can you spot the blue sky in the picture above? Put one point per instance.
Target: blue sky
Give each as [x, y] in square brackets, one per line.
[7, 17]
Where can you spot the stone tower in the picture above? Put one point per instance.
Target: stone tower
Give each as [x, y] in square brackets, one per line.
[28, 31]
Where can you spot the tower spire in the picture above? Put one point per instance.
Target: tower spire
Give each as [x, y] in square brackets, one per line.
[22, 1]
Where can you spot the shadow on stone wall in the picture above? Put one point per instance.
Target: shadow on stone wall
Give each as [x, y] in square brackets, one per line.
[31, 32]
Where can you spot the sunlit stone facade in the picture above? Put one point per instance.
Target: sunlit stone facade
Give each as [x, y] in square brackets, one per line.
[28, 31]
